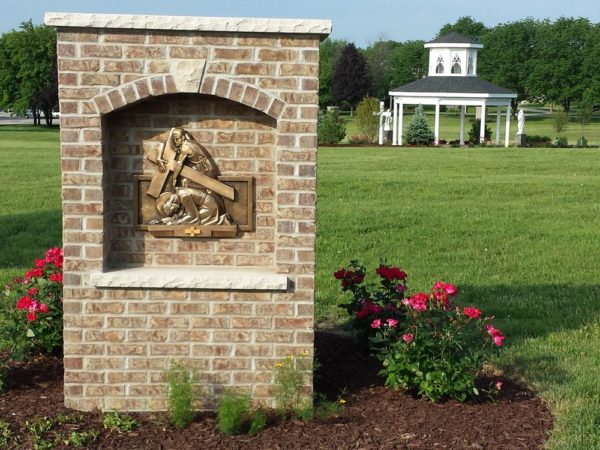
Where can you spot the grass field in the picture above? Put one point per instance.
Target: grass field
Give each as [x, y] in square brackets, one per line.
[515, 229]
[538, 122]
[30, 211]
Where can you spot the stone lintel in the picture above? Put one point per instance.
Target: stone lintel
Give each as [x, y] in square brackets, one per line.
[227, 278]
[185, 23]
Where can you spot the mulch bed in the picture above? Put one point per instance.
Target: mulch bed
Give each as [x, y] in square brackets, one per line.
[374, 416]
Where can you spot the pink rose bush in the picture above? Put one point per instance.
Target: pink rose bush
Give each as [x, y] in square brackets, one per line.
[426, 343]
[31, 312]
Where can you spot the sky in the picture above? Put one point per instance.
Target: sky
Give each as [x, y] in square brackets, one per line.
[360, 21]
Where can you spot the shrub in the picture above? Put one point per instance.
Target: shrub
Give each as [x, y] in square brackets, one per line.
[370, 301]
[582, 142]
[233, 413]
[418, 131]
[561, 142]
[290, 378]
[31, 312]
[359, 139]
[236, 416]
[119, 422]
[425, 343]
[538, 141]
[180, 395]
[258, 421]
[560, 121]
[474, 133]
[331, 129]
[367, 119]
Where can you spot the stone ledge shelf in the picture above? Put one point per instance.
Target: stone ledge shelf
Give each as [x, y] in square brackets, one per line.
[183, 23]
[191, 278]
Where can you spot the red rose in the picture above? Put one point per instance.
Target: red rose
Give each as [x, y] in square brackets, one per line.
[390, 273]
[471, 312]
[56, 277]
[23, 303]
[339, 274]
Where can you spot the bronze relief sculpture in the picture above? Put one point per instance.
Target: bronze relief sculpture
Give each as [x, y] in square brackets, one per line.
[185, 197]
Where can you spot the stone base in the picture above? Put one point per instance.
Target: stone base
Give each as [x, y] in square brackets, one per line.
[521, 140]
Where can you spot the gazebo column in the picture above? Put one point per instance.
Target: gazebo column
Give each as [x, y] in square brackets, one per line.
[507, 127]
[482, 129]
[463, 111]
[400, 121]
[498, 112]
[436, 127]
[394, 122]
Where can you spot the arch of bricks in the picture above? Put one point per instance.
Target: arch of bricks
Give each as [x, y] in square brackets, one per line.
[156, 85]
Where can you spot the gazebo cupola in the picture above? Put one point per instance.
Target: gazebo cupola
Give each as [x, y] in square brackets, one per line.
[453, 54]
[452, 81]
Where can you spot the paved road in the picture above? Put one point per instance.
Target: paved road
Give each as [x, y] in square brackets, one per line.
[6, 119]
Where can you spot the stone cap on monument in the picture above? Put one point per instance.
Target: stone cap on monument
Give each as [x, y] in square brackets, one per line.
[189, 23]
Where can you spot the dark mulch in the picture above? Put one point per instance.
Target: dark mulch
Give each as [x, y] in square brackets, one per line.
[374, 417]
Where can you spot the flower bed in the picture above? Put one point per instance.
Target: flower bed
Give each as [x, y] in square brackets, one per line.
[425, 342]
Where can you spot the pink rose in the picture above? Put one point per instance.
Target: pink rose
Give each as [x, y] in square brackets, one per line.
[43, 308]
[392, 323]
[376, 324]
[496, 335]
[471, 312]
[418, 301]
[448, 288]
[408, 337]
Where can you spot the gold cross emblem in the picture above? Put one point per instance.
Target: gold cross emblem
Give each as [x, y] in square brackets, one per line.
[193, 231]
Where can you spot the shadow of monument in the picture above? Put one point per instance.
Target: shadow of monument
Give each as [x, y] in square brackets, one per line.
[27, 236]
[530, 311]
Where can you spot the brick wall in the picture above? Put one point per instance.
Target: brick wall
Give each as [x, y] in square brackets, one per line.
[120, 92]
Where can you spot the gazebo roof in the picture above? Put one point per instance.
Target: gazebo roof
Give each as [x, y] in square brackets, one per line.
[453, 85]
[454, 38]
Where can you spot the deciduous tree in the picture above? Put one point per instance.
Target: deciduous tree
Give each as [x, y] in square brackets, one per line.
[329, 53]
[556, 68]
[28, 75]
[503, 60]
[466, 26]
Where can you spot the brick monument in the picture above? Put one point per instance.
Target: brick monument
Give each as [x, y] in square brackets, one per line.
[228, 294]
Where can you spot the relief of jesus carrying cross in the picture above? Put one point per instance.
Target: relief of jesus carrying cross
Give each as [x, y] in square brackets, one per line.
[186, 191]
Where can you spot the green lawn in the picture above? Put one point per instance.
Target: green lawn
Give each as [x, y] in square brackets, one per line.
[538, 122]
[515, 229]
[30, 212]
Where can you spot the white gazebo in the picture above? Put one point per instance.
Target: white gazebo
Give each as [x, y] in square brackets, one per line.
[452, 81]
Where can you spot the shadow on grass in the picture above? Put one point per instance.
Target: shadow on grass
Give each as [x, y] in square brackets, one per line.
[529, 311]
[27, 236]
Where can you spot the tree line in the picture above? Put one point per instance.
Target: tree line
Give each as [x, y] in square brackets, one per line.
[28, 72]
[556, 62]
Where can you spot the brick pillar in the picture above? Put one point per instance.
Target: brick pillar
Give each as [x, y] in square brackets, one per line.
[247, 90]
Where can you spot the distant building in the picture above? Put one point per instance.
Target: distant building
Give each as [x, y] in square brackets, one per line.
[452, 81]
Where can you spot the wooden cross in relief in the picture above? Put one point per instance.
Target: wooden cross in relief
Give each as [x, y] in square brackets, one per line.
[173, 166]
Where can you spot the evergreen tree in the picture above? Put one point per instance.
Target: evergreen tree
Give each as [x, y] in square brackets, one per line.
[351, 80]
[418, 131]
